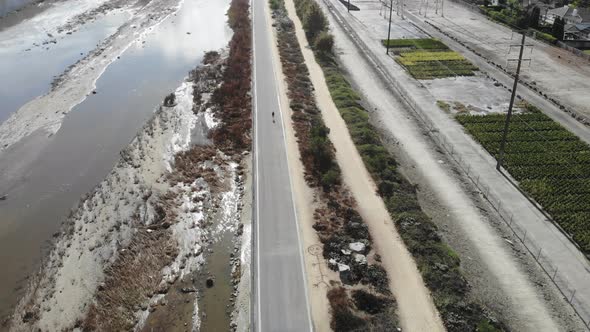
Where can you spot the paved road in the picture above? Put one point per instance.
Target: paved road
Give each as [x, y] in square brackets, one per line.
[280, 301]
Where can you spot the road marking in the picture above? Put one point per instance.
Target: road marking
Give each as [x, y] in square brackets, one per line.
[257, 236]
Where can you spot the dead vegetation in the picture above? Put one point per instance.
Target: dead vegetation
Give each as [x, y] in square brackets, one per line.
[188, 166]
[233, 96]
[345, 236]
[131, 281]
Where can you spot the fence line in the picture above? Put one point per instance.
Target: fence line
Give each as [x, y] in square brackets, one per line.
[536, 252]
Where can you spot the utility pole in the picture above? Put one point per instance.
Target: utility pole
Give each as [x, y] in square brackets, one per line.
[509, 115]
[389, 28]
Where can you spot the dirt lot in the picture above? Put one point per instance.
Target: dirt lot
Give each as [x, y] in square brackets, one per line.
[559, 73]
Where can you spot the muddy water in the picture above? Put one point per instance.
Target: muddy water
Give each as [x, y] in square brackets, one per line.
[43, 177]
[214, 301]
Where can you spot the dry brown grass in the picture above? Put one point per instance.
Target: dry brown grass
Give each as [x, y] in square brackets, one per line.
[131, 280]
[188, 165]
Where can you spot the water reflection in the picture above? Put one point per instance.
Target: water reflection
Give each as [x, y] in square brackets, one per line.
[87, 145]
[27, 74]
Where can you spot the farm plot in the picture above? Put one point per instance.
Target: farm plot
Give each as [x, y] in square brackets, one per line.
[551, 164]
[429, 58]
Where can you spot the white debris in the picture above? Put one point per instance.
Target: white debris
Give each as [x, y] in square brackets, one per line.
[357, 246]
[345, 252]
[343, 267]
[361, 259]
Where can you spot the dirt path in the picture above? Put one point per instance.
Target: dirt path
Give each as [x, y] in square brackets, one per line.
[416, 309]
[529, 309]
[304, 204]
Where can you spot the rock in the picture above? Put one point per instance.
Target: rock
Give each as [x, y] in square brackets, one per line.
[163, 288]
[144, 307]
[361, 259]
[343, 267]
[3, 197]
[357, 247]
[442, 267]
[101, 286]
[210, 282]
[29, 316]
[188, 290]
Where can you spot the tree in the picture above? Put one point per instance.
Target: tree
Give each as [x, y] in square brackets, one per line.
[557, 29]
[581, 3]
[534, 17]
[324, 42]
[314, 21]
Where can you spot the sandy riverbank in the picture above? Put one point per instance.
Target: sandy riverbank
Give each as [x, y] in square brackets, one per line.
[154, 197]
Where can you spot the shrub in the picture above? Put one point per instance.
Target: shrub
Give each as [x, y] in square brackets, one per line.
[275, 4]
[324, 42]
[368, 302]
[314, 21]
[403, 202]
[544, 36]
[330, 178]
[376, 276]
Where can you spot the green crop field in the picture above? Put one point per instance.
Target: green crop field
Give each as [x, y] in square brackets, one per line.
[429, 58]
[551, 164]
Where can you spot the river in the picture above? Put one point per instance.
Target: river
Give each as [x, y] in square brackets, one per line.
[44, 177]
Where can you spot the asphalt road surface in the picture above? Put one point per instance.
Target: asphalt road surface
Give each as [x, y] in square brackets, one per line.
[280, 300]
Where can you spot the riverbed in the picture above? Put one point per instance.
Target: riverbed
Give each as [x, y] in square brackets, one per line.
[43, 175]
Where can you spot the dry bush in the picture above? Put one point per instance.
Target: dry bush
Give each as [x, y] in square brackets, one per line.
[131, 280]
[233, 96]
[188, 165]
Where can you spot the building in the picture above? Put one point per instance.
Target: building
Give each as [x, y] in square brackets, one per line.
[577, 31]
[569, 15]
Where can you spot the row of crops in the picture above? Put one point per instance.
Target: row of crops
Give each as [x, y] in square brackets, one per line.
[551, 164]
[429, 58]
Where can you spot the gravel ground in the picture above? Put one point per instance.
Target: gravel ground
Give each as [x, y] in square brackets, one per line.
[508, 286]
[557, 72]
